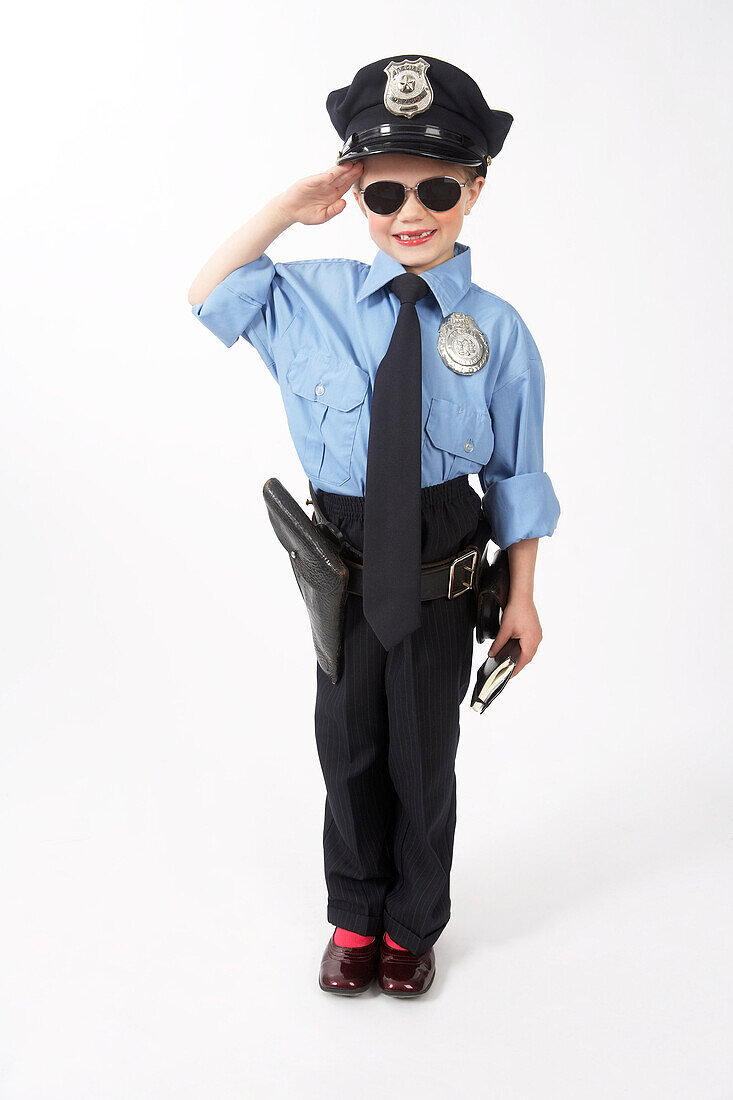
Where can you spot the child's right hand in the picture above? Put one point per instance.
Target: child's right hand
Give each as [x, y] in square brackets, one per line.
[316, 199]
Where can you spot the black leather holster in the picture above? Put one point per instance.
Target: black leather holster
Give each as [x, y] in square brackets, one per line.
[321, 573]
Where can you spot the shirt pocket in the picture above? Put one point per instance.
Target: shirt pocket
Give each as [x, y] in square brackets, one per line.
[331, 391]
[461, 437]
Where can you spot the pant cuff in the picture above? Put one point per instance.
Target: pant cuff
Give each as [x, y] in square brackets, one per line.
[405, 937]
[365, 924]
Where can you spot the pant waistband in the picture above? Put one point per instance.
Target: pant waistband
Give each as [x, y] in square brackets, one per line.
[430, 495]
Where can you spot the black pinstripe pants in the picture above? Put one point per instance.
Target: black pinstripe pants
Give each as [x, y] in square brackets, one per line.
[387, 735]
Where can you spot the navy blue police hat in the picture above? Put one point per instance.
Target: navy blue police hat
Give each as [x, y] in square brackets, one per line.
[419, 105]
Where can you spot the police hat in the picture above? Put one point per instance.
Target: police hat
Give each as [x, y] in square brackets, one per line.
[418, 105]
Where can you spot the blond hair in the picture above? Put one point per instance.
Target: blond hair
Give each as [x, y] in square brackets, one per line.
[470, 172]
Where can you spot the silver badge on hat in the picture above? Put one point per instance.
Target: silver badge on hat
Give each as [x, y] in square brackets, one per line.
[461, 344]
[408, 90]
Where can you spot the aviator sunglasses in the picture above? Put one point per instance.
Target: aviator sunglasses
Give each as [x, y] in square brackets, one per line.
[438, 193]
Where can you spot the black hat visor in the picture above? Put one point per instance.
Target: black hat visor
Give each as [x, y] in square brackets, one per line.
[415, 139]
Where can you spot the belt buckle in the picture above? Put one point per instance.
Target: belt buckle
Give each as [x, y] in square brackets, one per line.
[462, 563]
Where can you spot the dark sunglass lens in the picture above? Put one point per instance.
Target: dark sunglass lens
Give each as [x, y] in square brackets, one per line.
[440, 193]
[384, 197]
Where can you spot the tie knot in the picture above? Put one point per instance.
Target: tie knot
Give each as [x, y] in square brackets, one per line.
[409, 288]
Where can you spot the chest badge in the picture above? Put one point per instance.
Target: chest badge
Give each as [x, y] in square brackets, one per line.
[408, 90]
[462, 345]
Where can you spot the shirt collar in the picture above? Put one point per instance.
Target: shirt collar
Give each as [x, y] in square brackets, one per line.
[448, 281]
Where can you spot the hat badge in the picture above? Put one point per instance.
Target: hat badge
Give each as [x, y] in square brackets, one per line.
[408, 90]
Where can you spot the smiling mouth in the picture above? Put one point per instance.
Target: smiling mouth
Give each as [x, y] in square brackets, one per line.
[414, 238]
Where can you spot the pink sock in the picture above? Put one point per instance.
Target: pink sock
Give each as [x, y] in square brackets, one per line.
[343, 938]
[391, 943]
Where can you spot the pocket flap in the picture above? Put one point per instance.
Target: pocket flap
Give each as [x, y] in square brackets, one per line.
[461, 430]
[340, 383]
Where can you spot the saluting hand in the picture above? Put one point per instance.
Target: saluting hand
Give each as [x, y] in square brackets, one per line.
[316, 199]
[519, 620]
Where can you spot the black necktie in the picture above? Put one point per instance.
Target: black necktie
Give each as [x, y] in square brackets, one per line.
[392, 519]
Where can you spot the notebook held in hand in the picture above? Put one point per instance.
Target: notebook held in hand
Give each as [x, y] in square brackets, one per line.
[492, 593]
[494, 675]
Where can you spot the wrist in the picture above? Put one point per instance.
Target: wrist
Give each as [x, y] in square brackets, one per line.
[281, 218]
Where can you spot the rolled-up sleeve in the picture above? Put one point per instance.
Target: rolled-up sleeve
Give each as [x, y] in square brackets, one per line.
[519, 500]
[243, 304]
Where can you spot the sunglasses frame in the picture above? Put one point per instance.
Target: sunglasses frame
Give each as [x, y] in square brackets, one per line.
[417, 196]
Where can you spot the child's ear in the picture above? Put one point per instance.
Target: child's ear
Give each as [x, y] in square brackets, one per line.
[477, 186]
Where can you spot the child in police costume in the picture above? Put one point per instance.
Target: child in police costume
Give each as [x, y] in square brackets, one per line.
[399, 379]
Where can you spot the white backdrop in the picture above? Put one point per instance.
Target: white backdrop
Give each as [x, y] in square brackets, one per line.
[164, 906]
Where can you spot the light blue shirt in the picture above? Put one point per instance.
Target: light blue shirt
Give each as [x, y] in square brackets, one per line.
[322, 328]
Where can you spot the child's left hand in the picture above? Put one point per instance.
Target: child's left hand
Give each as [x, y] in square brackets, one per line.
[519, 620]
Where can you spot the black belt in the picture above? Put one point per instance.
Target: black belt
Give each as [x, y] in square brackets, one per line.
[448, 577]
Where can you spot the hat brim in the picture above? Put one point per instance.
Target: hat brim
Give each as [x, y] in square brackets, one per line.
[426, 140]
[455, 154]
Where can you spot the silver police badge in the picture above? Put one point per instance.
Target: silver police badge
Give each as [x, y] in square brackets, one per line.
[462, 345]
[408, 90]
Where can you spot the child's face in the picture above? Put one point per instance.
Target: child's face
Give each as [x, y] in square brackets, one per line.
[445, 226]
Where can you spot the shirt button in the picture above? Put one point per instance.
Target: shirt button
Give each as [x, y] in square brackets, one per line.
[320, 389]
[468, 445]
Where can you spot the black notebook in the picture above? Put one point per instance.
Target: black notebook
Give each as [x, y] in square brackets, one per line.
[494, 674]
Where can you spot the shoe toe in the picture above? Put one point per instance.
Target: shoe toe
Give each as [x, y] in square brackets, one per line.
[404, 974]
[347, 970]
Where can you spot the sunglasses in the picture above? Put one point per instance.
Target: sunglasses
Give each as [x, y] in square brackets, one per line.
[438, 193]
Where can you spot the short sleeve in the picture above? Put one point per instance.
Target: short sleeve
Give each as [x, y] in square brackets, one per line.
[519, 500]
[251, 302]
